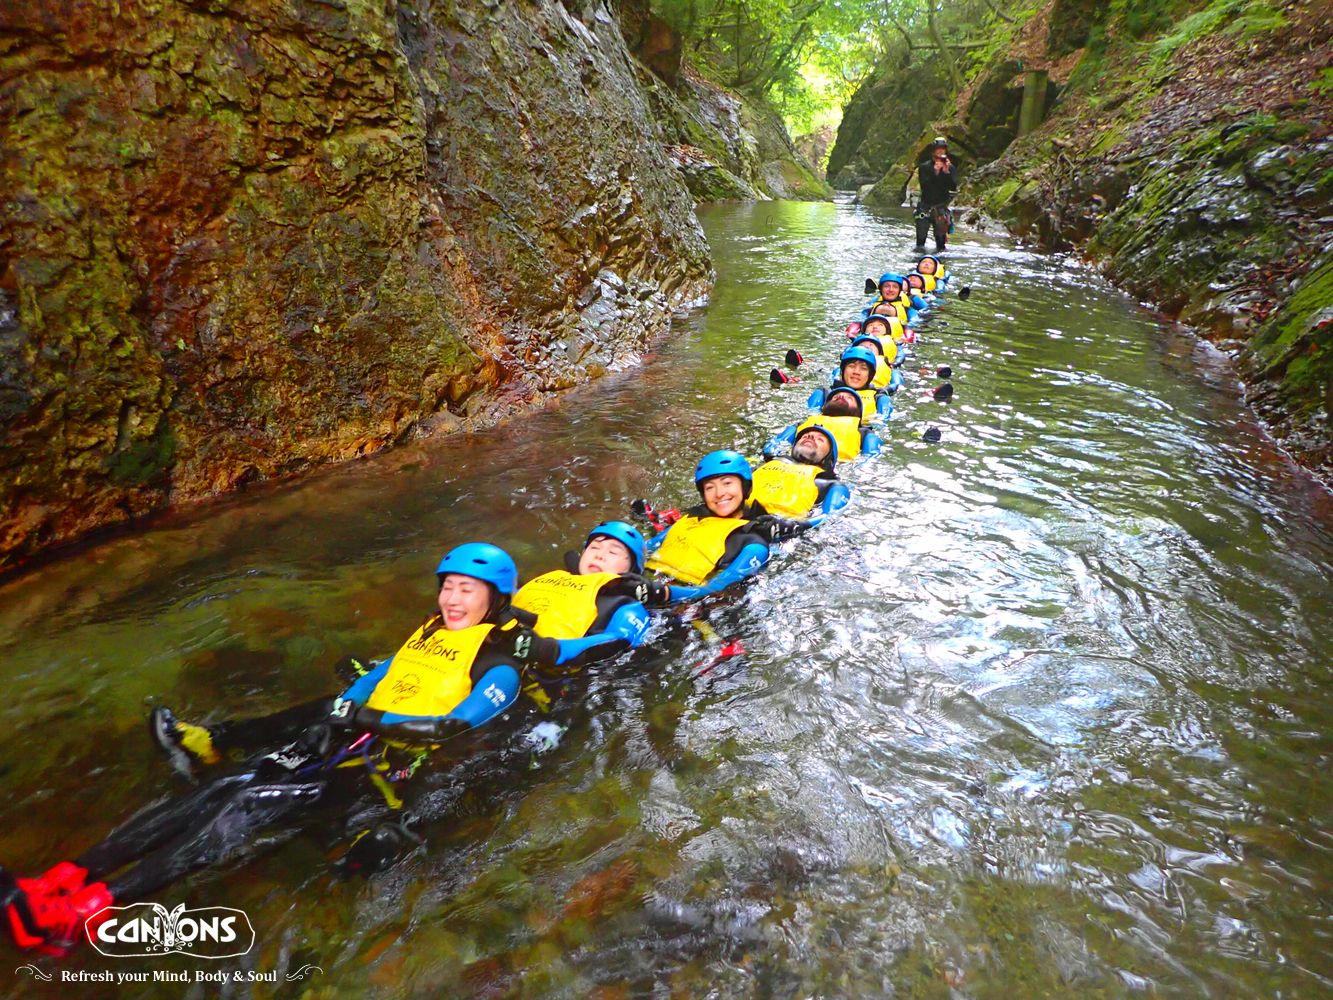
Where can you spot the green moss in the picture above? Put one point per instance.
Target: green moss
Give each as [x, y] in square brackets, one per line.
[1296, 344]
[144, 462]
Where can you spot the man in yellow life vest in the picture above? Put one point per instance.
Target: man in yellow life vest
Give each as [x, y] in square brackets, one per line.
[857, 370]
[842, 415]
[792, 486]
[456, 672]
[722, 541]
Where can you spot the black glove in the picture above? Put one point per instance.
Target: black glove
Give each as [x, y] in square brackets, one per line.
[648, 591]
[777, 529]
[524, 646]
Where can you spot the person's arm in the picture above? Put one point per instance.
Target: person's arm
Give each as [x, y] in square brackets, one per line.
[751, 559]
[360, 689]
[491, 695]
[871, 445]
[836, 496]
[625, 630]
[777, 445]
[883, 404]
[816, 398]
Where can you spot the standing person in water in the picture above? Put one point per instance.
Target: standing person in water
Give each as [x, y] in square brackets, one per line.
[939, 180]
[723, 540]
[458, 671]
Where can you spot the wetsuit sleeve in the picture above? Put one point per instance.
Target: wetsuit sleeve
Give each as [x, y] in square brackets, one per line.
[816, 399]
[624, 630]
[883, 404]
[366, 683]
[836, 496]
[871, 444]
[780, 442]
[751, 559]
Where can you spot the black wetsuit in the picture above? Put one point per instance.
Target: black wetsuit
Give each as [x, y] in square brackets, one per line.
[937, 190]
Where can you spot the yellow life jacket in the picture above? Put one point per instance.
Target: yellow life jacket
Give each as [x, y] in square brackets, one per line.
[928, 282]
[846, 431]
[693, 547]
[430, 674]
[565, 603]
[786, 488]
[868, 410]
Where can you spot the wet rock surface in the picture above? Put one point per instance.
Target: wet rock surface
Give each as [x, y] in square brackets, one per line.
[240, 240]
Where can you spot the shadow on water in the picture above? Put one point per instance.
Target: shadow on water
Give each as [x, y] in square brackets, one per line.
[1045, 713]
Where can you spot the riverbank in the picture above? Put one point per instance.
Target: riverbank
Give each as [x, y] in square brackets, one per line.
[1186, 152]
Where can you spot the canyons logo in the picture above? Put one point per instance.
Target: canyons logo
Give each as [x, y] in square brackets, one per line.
[144, 930]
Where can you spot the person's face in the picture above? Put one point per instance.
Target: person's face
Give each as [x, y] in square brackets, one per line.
[916, 283]
[605, 555]
[926, 266]
[811, 448]
[941, 152]
[839, 406]
[890, 289]
[856, 374]
[885, 309]
[464, 601]
[723, 495]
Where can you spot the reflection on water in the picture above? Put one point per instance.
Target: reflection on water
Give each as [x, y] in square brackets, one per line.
[1045, 713]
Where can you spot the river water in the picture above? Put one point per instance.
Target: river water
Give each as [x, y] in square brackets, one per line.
[1045, 713]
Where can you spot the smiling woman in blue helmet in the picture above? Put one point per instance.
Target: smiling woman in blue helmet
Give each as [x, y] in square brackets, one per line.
[460, 669]
[723, 540]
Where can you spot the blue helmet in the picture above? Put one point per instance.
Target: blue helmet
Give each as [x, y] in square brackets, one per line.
[868, 339]
[481, 561]
[850, 394]
[855, 353]
[628, 536]
[832, 459]
[891, 276]
[723, 463]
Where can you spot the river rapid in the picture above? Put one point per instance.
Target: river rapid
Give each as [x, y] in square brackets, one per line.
[1045, 712]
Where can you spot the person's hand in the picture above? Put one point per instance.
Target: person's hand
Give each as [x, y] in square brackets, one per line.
[777, 529]
[648, 591]
[524, 646]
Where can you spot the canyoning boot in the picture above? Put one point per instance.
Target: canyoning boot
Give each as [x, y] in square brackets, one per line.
[184, 743]
[49, 912]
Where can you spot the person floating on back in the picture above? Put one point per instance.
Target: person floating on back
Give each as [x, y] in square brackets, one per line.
[461, 669]
[792, 486]
[722, 541]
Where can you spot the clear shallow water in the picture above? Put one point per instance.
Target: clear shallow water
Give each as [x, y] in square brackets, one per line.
[1046, 713]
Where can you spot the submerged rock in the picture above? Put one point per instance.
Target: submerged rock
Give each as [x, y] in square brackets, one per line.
[241, 240]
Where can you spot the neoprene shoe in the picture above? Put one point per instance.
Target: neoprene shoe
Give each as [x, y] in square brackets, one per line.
[184, 743]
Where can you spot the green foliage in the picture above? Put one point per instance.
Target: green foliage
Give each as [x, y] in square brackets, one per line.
[1323, 82]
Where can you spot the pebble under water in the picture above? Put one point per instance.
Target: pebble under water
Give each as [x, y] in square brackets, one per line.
[1045, 713]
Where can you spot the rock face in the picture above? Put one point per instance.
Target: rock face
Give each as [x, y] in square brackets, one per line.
[1199, 177]
[238, 239]
[883, 124]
